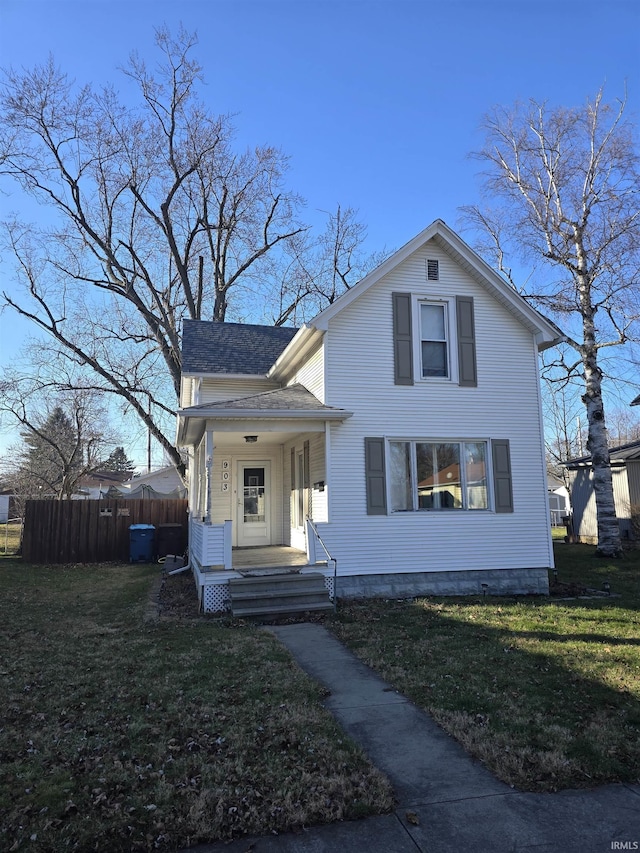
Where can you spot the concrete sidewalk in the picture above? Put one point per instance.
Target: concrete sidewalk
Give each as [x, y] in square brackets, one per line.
[454, 802]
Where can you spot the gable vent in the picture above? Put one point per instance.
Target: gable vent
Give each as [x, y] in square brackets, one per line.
[433, 273]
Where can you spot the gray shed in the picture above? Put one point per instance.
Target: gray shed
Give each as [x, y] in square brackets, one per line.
[625, 475]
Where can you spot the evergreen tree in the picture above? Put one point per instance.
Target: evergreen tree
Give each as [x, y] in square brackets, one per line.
[58, 449]
[118, 461]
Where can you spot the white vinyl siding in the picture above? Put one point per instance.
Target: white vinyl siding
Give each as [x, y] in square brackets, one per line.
[214, 390]
[311, 374]
[505, 403]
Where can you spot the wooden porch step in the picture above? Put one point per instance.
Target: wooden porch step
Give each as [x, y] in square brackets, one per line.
[273, 610]
[263, 584]
[276, 595]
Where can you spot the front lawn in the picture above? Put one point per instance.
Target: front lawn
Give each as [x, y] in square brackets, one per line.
[545, 692]
[123, 735]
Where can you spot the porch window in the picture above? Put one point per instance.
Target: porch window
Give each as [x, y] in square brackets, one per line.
[438, 475]
[300, 492]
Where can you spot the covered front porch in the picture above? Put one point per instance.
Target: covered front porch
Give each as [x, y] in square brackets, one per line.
[266, 565]
[257, 484]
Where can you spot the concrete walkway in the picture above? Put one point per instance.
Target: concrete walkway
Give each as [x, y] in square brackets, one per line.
[454, 803]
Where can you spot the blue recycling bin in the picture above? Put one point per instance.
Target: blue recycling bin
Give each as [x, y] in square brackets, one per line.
[141, 543]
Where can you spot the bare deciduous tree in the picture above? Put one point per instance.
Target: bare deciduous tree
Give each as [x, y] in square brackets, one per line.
[563, 433]
[565, 186]
[153, 216]
[64, 437]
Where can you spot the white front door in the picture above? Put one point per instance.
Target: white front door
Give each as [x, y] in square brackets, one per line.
[254, 503]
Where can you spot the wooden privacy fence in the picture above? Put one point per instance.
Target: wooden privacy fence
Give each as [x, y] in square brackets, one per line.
[93, 531]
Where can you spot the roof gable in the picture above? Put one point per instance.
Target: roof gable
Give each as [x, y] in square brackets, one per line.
[547, 334]
[231, 348]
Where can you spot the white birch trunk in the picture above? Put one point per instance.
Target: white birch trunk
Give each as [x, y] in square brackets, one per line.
[609, 544]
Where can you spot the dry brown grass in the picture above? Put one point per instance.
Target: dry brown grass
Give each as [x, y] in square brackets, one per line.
[545, 692]
[156, 735]
[10, 536]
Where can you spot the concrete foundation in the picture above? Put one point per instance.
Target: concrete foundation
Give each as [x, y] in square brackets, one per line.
[408, 585]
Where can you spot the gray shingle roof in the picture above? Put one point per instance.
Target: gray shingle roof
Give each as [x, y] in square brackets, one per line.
[231, 347]
[617, 455]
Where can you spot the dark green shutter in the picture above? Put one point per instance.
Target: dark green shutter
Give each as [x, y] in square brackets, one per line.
[402, 339]
[467, 372]
[375, 476]
[293, 468]
[502, 484]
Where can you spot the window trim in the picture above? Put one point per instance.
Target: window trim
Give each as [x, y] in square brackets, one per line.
[461, 442]
[450, 319]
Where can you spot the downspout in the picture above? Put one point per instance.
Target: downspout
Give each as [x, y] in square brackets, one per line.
[209, 466]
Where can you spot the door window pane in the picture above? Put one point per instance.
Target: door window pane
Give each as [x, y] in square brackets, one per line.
[254, 506]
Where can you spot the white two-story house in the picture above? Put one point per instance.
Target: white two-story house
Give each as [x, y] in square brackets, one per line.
[400, 432]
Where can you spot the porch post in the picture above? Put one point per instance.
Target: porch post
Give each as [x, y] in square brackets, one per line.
[228, 562]
[209, 465]
[327, 468]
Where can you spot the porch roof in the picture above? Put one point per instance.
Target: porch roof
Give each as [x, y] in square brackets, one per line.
[291, 404]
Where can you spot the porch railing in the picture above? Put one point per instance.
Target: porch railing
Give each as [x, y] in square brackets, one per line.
[211, 544]
[313, 540]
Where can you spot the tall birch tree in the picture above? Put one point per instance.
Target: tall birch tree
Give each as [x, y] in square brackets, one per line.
[564, 186]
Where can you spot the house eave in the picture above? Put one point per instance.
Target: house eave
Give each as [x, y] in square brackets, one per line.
[191, 425]
[221, 375]
[298, 348]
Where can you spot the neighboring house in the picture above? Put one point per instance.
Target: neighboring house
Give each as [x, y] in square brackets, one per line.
[625, 476]
[96, 485]
[162, 483]
[559, 505]
[404, 422]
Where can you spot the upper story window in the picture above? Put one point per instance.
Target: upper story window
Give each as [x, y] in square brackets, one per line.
[434, 339]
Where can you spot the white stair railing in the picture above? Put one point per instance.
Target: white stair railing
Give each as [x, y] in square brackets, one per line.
[314, 539]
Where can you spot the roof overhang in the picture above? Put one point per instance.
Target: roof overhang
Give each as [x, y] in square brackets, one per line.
[192, 422]
[299, 347]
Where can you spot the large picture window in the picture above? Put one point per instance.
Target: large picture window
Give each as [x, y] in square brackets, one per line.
[438, 475]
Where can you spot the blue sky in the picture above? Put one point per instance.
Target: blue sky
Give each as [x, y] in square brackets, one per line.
[378, 104]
